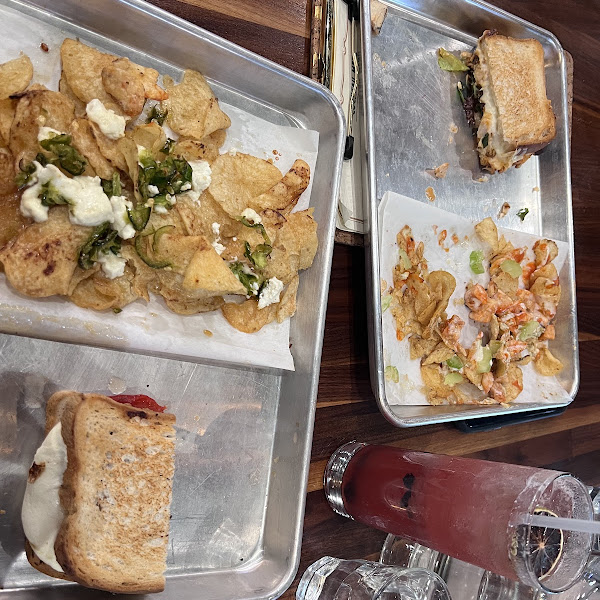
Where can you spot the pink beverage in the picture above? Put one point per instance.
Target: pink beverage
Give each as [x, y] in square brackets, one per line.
[462, 507]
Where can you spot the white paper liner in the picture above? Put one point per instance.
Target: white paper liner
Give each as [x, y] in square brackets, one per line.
[152, 327]
[396, 211]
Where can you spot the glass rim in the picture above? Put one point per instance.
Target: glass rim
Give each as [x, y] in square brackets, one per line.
[523, 567]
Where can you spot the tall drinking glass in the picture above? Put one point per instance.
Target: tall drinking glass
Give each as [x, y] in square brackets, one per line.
[466, 508]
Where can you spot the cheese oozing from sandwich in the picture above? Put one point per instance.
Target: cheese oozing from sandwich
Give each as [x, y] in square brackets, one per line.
[42, 514]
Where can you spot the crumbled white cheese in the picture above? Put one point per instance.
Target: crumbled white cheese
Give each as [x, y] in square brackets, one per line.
[160, 209]
[216, 229]
[251, 215]
[219, 248]
[111, 124]
[201, 173]
[171, 199]
[186, 186]
[45, 133]
[112, 265]
[121, 221]
[153, 190]
[270, 293]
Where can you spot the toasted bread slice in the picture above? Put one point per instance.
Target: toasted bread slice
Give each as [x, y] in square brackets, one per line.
[518, 118]
[116, 493]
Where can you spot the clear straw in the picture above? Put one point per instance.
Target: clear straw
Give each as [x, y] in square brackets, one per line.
[582, 525]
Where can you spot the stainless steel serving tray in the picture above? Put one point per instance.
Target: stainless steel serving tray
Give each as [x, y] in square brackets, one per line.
[410, 105]
[243, 434]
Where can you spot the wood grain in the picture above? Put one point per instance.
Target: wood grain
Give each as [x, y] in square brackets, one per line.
[346, 408]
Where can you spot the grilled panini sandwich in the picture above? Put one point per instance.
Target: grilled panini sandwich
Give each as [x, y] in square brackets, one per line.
[517, 118]
[97, 504]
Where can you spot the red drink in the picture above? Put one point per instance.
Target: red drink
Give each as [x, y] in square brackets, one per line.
[462, 507]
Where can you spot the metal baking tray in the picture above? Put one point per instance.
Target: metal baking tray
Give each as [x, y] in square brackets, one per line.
[243, 434]
[410, 105]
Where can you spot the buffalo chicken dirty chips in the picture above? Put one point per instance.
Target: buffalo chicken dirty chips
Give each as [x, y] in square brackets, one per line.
[514, 314]
[105, 199]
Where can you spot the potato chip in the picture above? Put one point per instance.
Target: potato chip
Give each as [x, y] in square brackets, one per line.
[247, 317]
[192, 307]
[34, 109]
[509, 285]
[15, 76]
[193, 110]
[86, 295]
[122, 153]
[298, 235]
[11, 219]
[65, 88]
[7, 114]
[546, 290]
[144, 277]
[287, 304]
[420, 347]
[41, 260]
[433, 379]
[441, 353]
[84, 141]
[82, 69]
[512, 382]
[237, 179]
[548, 271]
[151, 136]
[546, 363]
[119, 288]
[545, 251]
[148, 77]
[488, 232]
[284, 195]
[208, 271]
[7, 172]
[198, 217]
[205, 149]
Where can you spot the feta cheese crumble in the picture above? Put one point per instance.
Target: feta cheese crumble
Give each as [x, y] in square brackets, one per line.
[46, 133]
[270, 293]
[111, 124]
[112, 265]
[201, 176]
[219, 248]
[153, 190]
[216, 229]
[251, 215]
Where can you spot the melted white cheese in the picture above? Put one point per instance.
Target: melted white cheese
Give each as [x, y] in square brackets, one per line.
[111, 124]
[42, 514]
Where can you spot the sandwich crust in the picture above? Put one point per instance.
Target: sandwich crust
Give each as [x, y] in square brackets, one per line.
[518, 117]
[116, 493]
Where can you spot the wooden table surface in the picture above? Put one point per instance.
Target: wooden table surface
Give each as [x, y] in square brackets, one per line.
[346, 409]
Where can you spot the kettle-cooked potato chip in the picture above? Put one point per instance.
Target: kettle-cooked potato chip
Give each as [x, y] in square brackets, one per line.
[15, 76]
[237, 179]
[65, 88]
[247, 317]
[205, 149]
[82, 69]
[84, 141]
[7, 114]
[34, 108]
[283, 196]
[193, 109]
[41, 260]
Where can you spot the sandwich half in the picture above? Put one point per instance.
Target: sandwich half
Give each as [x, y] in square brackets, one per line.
[517, 118]
[97, 504]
